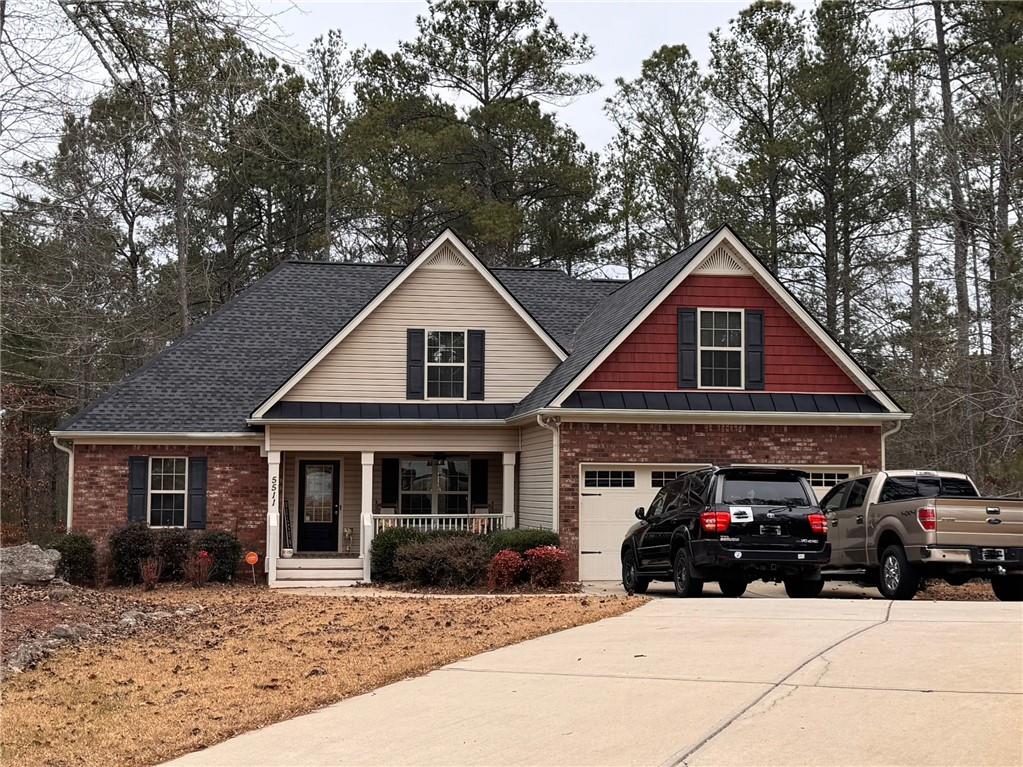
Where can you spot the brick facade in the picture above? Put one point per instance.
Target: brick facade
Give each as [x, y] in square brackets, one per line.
[235, 489]
[700, 443]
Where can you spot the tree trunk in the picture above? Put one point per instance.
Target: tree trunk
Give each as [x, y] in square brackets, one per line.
[913, 243]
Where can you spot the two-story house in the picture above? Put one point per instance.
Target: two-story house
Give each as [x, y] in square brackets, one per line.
[332, 400]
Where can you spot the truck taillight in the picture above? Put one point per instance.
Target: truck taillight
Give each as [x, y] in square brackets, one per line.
[928, 518]
[818, 523]
[715, 521]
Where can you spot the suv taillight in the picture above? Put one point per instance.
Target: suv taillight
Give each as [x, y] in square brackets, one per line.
[928, 518]
[818, 523]
[715, 521]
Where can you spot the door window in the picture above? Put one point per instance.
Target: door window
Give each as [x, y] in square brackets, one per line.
[319, 493]
[899, 489]
[857, 494]
[835, 498]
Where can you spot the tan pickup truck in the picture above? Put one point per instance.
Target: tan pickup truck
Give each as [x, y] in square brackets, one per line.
[895, 529]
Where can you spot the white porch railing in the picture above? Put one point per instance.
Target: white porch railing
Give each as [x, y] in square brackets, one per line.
[471, 523]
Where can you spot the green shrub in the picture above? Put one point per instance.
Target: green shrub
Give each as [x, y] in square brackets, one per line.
[77, 558]
[449, 562]
[128, 547]
[172, 545]
[521, 539]
[225, 550]
[385, 546]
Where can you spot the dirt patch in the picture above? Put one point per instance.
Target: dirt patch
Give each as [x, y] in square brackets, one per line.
[973, 591]
[249, 658]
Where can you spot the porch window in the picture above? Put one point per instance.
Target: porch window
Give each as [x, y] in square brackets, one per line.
[721, 349]
[434, 486]
[167, 491]
[445, 364]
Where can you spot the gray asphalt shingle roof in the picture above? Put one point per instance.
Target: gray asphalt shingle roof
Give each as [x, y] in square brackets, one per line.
[212, 378]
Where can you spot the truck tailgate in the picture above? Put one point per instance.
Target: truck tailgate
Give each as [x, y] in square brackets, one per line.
[987, 522]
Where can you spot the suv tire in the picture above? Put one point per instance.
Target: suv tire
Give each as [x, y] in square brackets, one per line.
[633, 582]
[682, 575]
[1008, 588]
[899, 578]
[803, 588]
[733, 587]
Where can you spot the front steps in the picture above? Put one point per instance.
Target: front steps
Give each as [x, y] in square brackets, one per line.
[318, 572]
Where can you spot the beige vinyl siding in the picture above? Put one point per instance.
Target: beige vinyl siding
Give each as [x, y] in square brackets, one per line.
[351, 498]
[398, 438]
[536, 478]
[369, 364]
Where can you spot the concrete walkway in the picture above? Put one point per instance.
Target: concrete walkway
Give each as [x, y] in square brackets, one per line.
[696, 682]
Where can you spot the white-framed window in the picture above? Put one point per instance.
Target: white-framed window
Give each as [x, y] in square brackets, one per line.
[661, 478]
[168, 491]
[609, 478]
[445, 364]
[827, 478]
[434, 486]
[720, 347]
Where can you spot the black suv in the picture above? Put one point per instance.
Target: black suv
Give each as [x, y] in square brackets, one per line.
[730, 525]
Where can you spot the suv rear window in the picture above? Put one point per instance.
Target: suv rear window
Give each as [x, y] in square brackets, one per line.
[754, 490]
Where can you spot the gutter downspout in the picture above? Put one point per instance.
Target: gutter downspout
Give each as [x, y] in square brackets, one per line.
[70, 480]
[884, 435]
[552, 424]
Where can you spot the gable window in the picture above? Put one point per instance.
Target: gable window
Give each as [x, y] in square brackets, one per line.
[445, 364]
[721, 363]
[167, 491]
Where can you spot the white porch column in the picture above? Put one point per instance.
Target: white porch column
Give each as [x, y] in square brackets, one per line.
[508, 490]
[273, 516]
[366, 539]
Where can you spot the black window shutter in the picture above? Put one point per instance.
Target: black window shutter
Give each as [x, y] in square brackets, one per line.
[196, 493]
[138, 487]
[476, 343]
[687, 348]
[478, 476]
[415, 363]
[754, 348]
[389, 479]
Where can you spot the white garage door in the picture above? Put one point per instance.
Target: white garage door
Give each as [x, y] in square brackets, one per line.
[608, 497]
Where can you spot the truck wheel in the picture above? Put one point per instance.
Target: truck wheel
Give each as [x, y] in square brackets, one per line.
[733, 587]
[685, 584]
[633, 582]
[1008, 588]
[898, 579]
[801, 588]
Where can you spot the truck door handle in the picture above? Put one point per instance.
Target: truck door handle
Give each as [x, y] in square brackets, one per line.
[859, 519]
[834, 523]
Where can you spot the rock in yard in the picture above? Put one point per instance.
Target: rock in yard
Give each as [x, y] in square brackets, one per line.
[27, 564]
[63, 631]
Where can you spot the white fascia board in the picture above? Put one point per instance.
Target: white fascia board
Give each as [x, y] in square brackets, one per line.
[377, 421]
[725, 417]
[447, 236]
[809, 324]
[161, 437]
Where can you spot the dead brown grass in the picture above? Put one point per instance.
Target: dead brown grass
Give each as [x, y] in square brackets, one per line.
[250, 658]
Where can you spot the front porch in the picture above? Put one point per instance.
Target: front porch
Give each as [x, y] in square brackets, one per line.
[325, 507]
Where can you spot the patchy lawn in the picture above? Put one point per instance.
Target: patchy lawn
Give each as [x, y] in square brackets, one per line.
[248, 658]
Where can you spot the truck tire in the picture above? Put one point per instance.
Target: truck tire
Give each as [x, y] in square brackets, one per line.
[682, 576]
[899, 578]
[733, 587]
[801, 588]
[1008, 588]
[633, 582]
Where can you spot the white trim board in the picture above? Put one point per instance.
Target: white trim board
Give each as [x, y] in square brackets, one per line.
[446, 237]
[775, 288]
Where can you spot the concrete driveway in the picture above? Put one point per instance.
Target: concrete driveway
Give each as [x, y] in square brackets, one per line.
[706, 681]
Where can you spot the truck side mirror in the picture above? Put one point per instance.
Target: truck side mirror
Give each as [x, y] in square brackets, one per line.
[641, 513]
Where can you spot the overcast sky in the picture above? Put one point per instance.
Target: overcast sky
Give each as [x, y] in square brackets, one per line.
[623, 34]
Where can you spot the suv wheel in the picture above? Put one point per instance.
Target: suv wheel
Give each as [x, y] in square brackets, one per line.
[1008, 588]
[801, 588]
[685, 584]
[633, 582]
[898, 578]
[733, 587]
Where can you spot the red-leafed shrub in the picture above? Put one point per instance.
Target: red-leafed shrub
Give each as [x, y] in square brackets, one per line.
[546, 565]
[505, 569]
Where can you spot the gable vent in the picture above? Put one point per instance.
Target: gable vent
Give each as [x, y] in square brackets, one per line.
[722, 261]
[445, 258]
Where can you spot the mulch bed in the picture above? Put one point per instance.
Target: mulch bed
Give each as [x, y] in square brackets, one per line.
[973, 591]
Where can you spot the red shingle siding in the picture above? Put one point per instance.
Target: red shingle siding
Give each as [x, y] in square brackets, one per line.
[648, 359]
[235, 489]
[699, 443]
